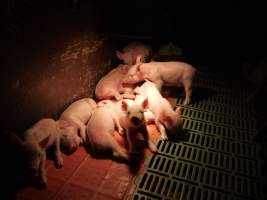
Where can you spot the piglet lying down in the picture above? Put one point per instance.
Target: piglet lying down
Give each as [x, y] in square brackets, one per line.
[110, 86]
[171, 73]
[78, 114]
[100, 130]
[40, 137]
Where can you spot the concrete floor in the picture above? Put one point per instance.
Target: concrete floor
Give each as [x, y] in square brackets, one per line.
[85, 177]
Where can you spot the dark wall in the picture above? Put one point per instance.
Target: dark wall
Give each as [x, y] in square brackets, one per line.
[54, 52]
[52, 57]
[221, 34]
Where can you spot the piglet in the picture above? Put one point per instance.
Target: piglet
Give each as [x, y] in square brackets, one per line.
[131, 118]
[132, 50]
[100, 130]
[78, 114]
[164, 115]
[69, 140]
[36, 140]
[110, 86]
[163, 73]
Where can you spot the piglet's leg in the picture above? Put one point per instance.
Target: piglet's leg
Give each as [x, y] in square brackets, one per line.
[188, 90]
[82, 129]
[161, 129]
[117, 97]
[116, 94]
[116, 122]
[58, 154]
[130, 139]
[150, 144]
[159, 85]
[42, 172]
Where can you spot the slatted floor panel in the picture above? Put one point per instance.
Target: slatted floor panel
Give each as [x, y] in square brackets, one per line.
[219, 161]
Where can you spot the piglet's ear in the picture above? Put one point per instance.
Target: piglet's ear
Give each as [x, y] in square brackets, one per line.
[43, 142]
[145, 103]
[119, 55]
[124, 105]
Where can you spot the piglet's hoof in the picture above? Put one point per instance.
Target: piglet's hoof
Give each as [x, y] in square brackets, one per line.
[153, 148]
[164, 137]
[59, 163]
[186, 102]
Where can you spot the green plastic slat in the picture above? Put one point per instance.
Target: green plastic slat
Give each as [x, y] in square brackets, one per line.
[223, 145]
[143, 197]
[161, 187]
[219, 161]
[224, 120]
[223, 101]
[227, 89]
[205, 159]
[230, 148]
[218, 108]
[212, 129]
[206, 177]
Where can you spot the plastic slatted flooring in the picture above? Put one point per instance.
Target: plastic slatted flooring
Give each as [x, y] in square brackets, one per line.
[219, 161]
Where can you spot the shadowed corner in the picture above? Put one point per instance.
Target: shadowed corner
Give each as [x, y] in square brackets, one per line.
[182, 136]
[140, 149]
[137, 157]
[174, 94]
[200, 94]
[12, 168]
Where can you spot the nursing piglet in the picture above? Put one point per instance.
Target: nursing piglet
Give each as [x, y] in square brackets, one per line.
[111, 86]
[165, 116]
[163, 73]
[78, 114]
